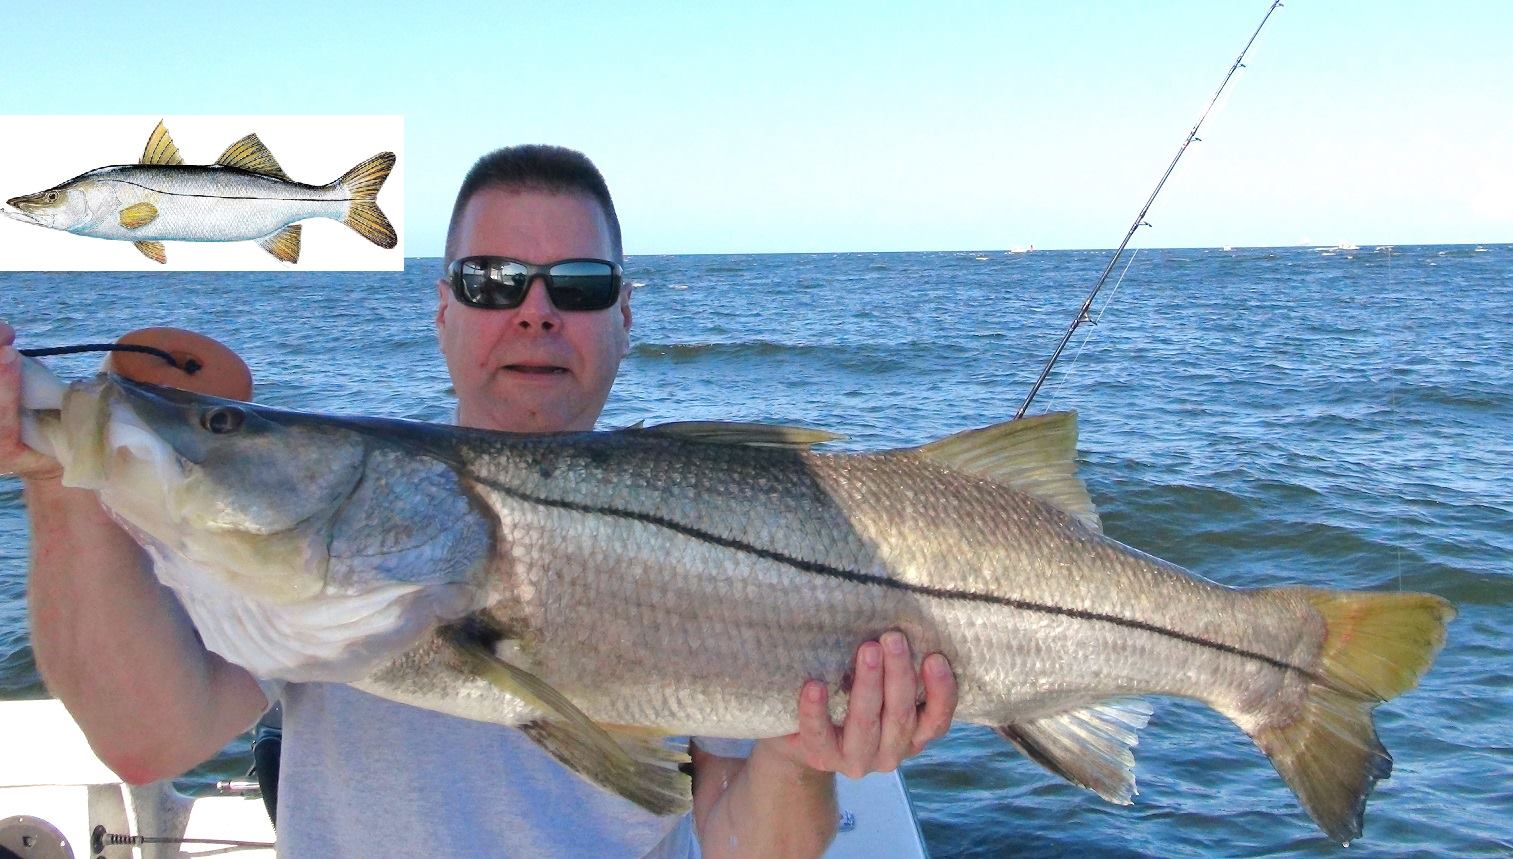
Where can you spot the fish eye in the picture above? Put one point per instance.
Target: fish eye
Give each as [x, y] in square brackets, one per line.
[222, 419]
[52, 197]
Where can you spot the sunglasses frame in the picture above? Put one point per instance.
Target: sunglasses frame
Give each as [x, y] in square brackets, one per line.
[490, 261]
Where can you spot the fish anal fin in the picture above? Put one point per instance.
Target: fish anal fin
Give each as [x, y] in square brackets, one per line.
[138, 215]
[628, 763]
[153, 251]
[1089, 746]
[730, 432]
[283, 244]
[1035, 455]
[251, 155]
[160, 148]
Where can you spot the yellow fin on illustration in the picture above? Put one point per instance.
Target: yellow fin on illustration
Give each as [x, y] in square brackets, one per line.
[153, 251]
[138, 215]
[160, 149]
[283, 244]
[251, 155]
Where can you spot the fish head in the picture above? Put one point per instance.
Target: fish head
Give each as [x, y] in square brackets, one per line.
[61, 207]
[242, 492]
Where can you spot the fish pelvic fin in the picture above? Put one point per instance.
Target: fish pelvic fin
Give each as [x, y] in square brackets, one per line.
[153, 251]
[361, 184]
[283, 244]
[654, 782]
[1376, 646]
[252, 155]
[1036, 456]
[1090, 746]
[634, 764]
[160, 148]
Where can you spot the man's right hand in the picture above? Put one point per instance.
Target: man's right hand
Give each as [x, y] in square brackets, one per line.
[15, 457]
[110, 641]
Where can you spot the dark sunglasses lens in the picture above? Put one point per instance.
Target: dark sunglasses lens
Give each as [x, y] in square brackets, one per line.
[500, 285]
[584, 285]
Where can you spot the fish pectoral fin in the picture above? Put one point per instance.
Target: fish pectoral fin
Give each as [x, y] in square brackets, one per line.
[731, 432]
[160, 148]
[153, 251]
[1036, 456]
[251, 155]
[1089, 746]
[138, 215]
[283, 244]
[653, 780]
[629, 765]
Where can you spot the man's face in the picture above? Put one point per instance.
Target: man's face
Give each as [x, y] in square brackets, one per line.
[532, 368]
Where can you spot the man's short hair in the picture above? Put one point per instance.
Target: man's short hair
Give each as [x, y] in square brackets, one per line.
[536, 167]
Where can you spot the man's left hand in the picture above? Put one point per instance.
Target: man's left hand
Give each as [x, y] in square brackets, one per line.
[885, 722]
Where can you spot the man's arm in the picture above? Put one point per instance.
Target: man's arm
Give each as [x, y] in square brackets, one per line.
[110, 641]
[780, 802]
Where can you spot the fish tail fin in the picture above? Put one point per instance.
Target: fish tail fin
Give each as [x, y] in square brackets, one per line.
[1376, 646]
[361, 184]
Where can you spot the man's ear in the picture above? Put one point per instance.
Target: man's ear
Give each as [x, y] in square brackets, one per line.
[626, 318]
[441, 305]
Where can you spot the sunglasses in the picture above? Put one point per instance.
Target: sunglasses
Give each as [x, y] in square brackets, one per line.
[500, 283]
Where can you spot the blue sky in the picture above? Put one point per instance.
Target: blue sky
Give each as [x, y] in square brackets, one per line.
[862, 126]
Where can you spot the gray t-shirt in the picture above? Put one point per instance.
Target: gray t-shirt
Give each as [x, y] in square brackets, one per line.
[361, 776]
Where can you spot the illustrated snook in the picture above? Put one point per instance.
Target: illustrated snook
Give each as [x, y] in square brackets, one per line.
[244, 196]
[602, 590]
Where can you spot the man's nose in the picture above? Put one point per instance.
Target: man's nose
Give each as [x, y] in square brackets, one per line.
[537, 310]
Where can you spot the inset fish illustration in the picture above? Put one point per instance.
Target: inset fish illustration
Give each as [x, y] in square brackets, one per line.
[244, 196]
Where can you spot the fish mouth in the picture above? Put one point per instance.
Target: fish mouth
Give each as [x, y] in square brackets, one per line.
[17, 213]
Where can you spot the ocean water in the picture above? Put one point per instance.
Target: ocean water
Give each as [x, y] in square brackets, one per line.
[1259, 416]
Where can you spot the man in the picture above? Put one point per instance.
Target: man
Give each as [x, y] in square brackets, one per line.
[363, 776]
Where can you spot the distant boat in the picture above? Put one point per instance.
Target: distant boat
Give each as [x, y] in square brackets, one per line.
[1022, 250]
[1229, 247]
[1479, 250]
[1346, 246]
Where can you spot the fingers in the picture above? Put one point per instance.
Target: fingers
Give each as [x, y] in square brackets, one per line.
[816, 738]
[863, 726]
[934, 718]
[900, 694]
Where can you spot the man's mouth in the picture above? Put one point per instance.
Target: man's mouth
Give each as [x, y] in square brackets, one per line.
[535, 369]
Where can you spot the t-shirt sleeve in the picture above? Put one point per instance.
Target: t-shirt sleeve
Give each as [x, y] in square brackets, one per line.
[726, 748]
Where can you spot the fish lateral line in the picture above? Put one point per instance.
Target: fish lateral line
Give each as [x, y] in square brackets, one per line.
[858, 577]
[237, 197]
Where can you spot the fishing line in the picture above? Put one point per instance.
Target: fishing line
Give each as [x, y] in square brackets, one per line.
[1140, 218]
[1055, 392]
[190, 366]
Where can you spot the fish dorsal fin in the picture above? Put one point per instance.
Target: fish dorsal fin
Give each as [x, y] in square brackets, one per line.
[160, 148]
[1088, 746]
[1037, 456]
[755, 435]
[251, 155]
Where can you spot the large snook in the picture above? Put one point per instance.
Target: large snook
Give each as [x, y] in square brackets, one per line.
[245, 195]
[685, 579]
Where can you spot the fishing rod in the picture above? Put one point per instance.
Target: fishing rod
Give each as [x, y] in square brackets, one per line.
[1140, 218]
